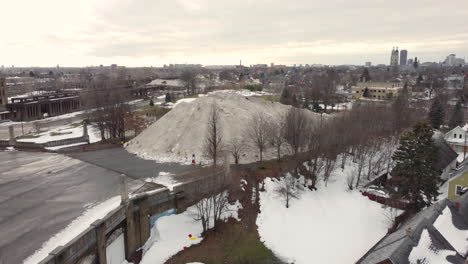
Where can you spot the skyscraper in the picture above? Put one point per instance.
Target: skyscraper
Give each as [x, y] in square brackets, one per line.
[403, 57]
[394, 59]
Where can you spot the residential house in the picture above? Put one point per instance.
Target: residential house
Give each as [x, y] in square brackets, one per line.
[458, 184]
[379, 91]
[458, 141]
[438, 234]
[447, 157]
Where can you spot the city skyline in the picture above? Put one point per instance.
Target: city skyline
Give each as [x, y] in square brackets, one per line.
[145, 33]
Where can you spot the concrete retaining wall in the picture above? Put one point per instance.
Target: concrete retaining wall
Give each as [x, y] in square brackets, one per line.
[133, 216]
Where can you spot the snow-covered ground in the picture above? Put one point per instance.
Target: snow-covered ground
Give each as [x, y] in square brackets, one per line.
[331, 225]
[64, 132]
[74, 229]
[171, 234]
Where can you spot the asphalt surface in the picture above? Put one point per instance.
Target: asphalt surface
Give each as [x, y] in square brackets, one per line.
[121, 161]
[41, 193]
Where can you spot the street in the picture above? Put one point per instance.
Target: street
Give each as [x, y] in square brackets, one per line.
[41, 193]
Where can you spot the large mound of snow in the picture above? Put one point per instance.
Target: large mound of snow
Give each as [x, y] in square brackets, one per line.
[180, 133]
[331, 225]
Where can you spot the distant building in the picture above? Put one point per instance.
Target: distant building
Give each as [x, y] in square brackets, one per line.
[403, 57]
[368, 64]
[377, 91]
[452, 60]
[410, 62]
[3, 100]
[394, 59]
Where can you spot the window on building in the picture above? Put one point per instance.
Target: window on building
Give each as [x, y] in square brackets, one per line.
[454, 135]
[458, 190]
[460, 136]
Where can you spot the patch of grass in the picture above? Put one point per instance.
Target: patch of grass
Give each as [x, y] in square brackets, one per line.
[27, 136]
[271, 98]
[247, 249]
[59, 133]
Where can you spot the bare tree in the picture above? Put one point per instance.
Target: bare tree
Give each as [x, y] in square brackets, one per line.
[350, 175]
[296, 126]
[288, 188]
[257, 132]
[276, 130]
[203, 212]
[236, 147]
[211, 192]
[213, 143]
[189, 79]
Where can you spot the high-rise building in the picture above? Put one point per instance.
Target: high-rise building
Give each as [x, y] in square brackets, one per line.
[403, 57]
[368, 64]
[394, 59]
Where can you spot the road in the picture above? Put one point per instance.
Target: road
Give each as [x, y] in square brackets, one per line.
[41, 193]
[121, 161]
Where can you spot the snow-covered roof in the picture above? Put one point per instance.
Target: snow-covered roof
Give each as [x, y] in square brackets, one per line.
[442, 222]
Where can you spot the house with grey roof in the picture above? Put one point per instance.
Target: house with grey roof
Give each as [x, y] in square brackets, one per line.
[437, 234]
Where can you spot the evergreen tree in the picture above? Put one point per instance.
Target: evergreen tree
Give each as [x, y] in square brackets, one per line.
[285, 97]
[168, 98]
[365, 76]
[436, 113]
[457, 116]
[151, 103]
[366, 92]
[415, 172]
[316, 107]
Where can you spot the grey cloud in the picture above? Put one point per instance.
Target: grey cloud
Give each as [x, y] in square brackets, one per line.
[162, 27]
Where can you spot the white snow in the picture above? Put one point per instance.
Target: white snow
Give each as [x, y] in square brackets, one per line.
[115, 252]
[338, 224]
[180, 133]
[456, 237]
[423, 253]
[74, 229]
[164, 178]
[65, 132]
[66, 146]
[171, 234]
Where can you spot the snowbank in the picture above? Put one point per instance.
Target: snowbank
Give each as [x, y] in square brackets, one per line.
[331, 225]
[172, 233]
[180, 133]
[74, 229]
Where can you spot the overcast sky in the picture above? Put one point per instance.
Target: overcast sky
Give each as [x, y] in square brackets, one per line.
[156, 32]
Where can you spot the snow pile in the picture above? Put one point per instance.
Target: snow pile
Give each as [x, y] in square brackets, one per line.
[330, 220]
[456, 237]
[74, 229]
[171, 234]
[180, 133]
[423, 252]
